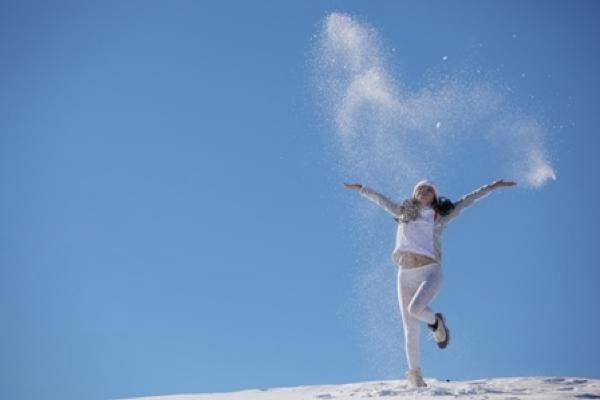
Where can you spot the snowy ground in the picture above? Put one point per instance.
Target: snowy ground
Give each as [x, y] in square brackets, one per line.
[527, 388]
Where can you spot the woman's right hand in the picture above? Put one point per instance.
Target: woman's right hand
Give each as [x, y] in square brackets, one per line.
[353, 186]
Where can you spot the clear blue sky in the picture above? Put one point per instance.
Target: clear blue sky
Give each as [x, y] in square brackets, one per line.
[173, 220]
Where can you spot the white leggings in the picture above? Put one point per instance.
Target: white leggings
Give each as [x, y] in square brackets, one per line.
[417, 287]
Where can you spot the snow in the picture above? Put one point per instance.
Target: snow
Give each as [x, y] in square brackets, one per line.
[538, 388]
[382, 126]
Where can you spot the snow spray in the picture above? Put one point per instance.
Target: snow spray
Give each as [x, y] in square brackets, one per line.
[393, 135]
[389, 136]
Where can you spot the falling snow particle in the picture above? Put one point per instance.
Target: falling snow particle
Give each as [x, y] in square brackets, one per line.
[438, 125]
[445, 58]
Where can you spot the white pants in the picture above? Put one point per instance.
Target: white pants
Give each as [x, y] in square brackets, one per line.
[417, 287]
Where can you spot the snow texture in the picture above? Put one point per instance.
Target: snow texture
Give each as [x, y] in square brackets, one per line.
[525, 388]
[388, 132]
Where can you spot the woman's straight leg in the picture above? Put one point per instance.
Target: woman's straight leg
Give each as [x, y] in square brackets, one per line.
[411, 325]
[416, 289]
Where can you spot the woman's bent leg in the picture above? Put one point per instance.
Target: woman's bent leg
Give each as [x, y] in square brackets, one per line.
[429, 286]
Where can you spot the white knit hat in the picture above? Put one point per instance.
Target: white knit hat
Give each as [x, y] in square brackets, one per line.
[425, 183]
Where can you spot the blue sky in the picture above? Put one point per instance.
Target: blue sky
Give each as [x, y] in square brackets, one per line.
[173, 218]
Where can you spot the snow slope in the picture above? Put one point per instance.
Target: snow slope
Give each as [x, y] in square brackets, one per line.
[526, 388]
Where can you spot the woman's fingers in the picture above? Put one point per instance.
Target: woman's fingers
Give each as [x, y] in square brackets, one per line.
[352, 185]
[504, 183]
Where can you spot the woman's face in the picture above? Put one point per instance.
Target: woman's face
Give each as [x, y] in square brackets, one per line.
[425, 195]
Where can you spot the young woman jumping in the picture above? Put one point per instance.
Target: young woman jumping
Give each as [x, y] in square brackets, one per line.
[418, 255]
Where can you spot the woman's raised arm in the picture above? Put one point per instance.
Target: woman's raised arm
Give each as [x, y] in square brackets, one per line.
[377, 198]
[475, 195]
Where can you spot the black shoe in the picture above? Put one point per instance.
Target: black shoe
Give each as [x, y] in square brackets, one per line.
[441, 333]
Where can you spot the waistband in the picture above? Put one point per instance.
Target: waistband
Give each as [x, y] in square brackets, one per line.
[420, 268]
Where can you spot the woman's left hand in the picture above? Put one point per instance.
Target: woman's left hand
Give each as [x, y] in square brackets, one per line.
[502, 183]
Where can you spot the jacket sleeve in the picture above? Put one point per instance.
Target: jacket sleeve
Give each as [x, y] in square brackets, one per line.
[382, 201]
[468, 200]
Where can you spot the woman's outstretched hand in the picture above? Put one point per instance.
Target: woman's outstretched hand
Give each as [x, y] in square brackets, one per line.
[353, 186]
[502, 183]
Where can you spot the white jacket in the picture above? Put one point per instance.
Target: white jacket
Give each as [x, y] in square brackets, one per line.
[424, 236]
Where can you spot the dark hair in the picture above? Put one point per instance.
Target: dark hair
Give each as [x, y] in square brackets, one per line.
[443, 206]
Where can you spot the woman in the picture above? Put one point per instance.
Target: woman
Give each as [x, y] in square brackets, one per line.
[418, 255]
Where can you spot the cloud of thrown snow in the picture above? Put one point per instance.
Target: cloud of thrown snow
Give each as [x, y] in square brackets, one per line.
[387, 133]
